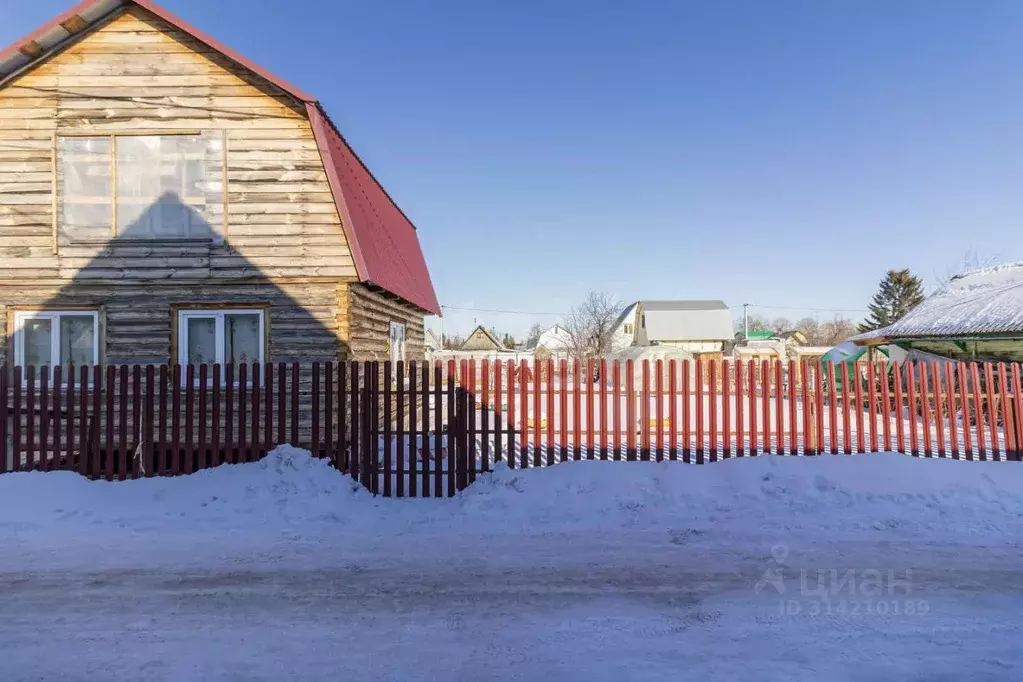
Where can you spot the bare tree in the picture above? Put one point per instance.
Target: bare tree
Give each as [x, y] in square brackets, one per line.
[452, 341]
[780, 324]
[534, 334]
[971, 260]
[826, 333]
[590, 325]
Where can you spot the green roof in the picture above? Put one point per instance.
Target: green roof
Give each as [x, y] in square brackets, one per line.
[761, 335]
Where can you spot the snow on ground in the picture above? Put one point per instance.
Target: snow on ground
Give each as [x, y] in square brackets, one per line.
[868, 567]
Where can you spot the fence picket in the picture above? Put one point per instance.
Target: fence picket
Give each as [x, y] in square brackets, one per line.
[136, 419]
[217, 457]
[94, 431]
[779, 407]
[537, 412]
[469, 433]
[1008, 423]
[425, 456]
[953, 413]
[563, 410]
[187, 451]
[486, 404]
[644, 412]
[900, 422]
[925, 408]
[712, 413]
[602, 396]
[399, 450]
[740, 416]
[939, 412]
[914, 444]
[268, 406]
[30, 418]
[109, 442]
[616, 408]
[438, 430]
[176, 463]
[254, 450]
[577, 411]
[726, 409]
[659, 409]
[452, 437]
[44, 418]
[847, 445]
[1017, 393]
[147, 430]
[230, 454]
[295, 437]
[753, 436]
[499, 402]
[589, 408]
[523, 375]
[978, 412]
[992, 410]
[630, 411]
[818, 404]
[54, 462]
[872, 403]
[549, 369]
[85, 467]
[388, 445]
[282, 403]
[314, 440]
[686, 412]
[765, 403]
[699, 391]
[886, 411]
[861, 445]
[203, 454]
[16, 421]
[343, 417]
[510, 422]
[806, 402]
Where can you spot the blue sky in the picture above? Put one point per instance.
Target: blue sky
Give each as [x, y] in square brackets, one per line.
[784, 153]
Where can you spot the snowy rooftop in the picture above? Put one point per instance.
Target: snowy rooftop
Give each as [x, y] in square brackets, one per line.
[986, 301]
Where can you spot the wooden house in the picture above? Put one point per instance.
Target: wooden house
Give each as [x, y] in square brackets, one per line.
[163, 199]
[482, 339]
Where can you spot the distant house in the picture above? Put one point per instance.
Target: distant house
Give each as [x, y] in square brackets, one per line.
[769, 345]
[554, 342]
[433, 344]
[482, 339]
[977, 316]
[693, 326]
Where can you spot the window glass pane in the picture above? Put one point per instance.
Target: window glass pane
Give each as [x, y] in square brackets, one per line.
[84, 188]
[37, 342]
[241, 337]
[397, 344]
[202, 340]
[165, 187]
[77, 340]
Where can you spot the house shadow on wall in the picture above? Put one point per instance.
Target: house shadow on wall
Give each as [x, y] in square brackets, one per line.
[139, 282]
[170, 259]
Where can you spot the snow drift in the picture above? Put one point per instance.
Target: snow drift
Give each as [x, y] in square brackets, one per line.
[290, 489]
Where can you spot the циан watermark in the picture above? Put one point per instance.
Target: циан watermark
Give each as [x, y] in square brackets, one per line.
[839, 592]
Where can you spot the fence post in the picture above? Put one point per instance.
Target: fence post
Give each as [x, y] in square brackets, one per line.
[4, 466]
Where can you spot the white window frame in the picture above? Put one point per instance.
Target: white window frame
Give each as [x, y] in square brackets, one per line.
[22, 316]
[217, 314]
[390, 335]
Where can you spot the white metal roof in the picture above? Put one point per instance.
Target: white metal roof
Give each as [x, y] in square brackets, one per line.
[987, 301]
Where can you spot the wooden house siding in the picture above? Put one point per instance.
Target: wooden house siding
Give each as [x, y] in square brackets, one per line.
[301, 317]
[137, 73]
[365, 324]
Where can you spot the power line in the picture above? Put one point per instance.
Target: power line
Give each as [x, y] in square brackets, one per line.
[796, 307]
[506, 312]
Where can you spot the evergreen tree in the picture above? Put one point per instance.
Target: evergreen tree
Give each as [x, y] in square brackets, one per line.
[899, 292]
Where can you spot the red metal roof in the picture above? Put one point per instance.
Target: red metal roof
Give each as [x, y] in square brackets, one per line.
[382, 239]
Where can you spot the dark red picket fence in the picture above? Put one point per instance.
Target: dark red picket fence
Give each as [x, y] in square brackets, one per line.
[427, 429]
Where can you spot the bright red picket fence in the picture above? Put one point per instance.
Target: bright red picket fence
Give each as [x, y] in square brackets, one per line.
[422, 429]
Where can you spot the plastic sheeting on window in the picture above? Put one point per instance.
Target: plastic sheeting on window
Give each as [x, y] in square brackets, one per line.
[83, 177]
[77, 340]
[38, 336]
[202, 340]
[241, 337]
[170, 186]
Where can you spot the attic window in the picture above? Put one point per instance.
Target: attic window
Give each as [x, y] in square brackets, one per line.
[140, 187]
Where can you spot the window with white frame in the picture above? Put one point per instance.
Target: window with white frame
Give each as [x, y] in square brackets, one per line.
[396, 342]
[140, 186]
[47, 338]
[221, 336]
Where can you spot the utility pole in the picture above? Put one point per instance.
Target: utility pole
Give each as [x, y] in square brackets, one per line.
[745, 321]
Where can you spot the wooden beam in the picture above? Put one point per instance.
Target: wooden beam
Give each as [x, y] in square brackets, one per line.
[31, 49]
[74, 24]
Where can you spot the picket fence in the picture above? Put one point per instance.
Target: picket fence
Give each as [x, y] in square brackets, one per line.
[428, 429]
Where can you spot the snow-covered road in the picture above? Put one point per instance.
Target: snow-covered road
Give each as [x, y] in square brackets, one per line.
[758, 570]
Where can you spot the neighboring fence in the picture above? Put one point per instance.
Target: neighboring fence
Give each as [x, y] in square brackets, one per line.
[428, 429]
